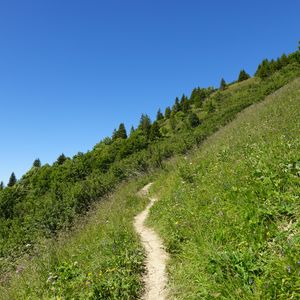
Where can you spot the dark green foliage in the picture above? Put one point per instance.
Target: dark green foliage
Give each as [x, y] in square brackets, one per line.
[184, 103]
[193, 120]
[263, 70]
[1, 185]
[37, 163]
[176, 107]
[159, 115]
[154, 132]
[199, 95]
[12, 180]
[120, 133]
[145, 125]
[223, 84]
[167, 112]
[243, 76]
[61, 159]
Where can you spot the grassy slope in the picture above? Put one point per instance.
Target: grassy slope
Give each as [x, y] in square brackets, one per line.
[102, 259]
[229, 214]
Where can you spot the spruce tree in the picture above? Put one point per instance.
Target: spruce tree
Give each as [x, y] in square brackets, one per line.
[121, 133]
[12, 180]
[223, 84]
[167, 112]
[243, 76]
[159, 115]
[154, 131]
[61, 159]
[176, 106]
[1, 186]
[132, 130]
[145, 125]
[37, 163]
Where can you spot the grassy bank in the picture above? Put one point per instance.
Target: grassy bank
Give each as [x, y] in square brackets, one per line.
[101, 259]
[229, 214]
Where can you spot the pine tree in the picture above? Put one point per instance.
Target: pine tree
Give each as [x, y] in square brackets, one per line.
[122, 131]
[176, 106]
[263, 70]
[154, 132]
[12, 180]
[223, 84]
[145, 125]
[132, 130]
[167, 112]
[61, 159]
[37, 163]
[159, 115]
[243, 76]
[1, 186]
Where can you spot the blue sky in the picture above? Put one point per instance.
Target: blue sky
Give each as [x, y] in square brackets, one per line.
[71, 71]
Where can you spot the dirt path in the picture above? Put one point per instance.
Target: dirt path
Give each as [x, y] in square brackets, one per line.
[156, 277]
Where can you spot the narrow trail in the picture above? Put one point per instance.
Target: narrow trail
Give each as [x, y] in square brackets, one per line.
[155, 278]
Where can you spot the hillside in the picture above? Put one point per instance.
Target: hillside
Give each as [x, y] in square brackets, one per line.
[66, 229]
[229, 213]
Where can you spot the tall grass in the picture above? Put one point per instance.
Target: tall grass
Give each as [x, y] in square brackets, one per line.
[101, 259]
[229, 213]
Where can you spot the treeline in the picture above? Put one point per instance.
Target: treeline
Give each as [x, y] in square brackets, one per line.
[48, 198]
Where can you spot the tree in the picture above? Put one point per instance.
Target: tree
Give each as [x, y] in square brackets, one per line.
[1, 186]
[193, 120]
[184, 103]
[132, 130]
[159, 115]
[37, 163]
[167, 112]
[243, 76]
[176, 106]
[12, 180]
[263, 71]
[154, 131]
[145, 125]
[223, 84]
[61, 159]
[120, 133]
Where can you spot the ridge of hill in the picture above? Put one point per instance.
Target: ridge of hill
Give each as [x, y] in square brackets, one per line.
[49, 200]
[229, 214]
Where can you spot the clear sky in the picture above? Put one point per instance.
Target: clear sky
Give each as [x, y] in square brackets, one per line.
[71, 71]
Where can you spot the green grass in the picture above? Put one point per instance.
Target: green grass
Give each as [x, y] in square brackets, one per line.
[229, 213]
[101, 259]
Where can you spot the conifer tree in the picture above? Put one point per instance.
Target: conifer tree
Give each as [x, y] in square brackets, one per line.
[154, 131]
[159, 115]
[145, 125]
[263, 70]
[132, 130]
[184, 104]
[37, 163]
[243, 76]
[176, 106]
[61, 159]
[1, 186]
[223, 84]
[122, 131]
[12, 180]
[167, 112]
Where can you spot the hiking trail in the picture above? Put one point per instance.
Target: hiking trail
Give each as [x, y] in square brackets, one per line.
[155, 278]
